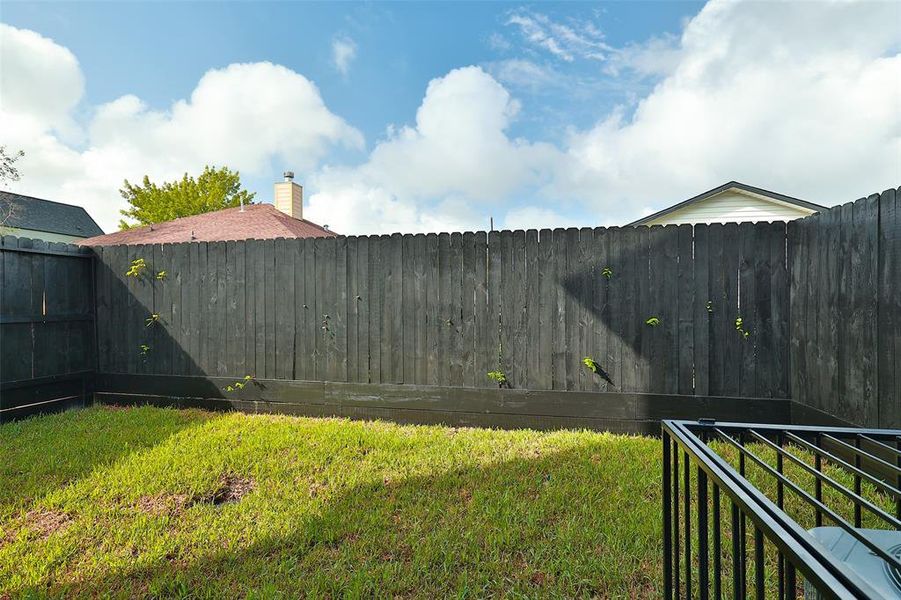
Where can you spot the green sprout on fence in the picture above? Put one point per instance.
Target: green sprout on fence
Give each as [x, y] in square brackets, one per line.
[137, 267]
[326, 326]
[145, 349]
[607, 272]
[595, 367]
[653, 321]
[239, 385]
[153, 318]
[161, 275]
[739, 326]
[709, 307]
[499, 377]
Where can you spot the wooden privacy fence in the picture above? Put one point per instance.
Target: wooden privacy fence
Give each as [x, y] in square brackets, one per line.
[846, 310]
[655, 307]
[47, 345]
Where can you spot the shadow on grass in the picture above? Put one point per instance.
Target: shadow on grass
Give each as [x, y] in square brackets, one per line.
[567, 523]
[44, 453]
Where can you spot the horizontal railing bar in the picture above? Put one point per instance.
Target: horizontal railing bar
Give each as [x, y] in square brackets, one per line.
[882, 445]
[853, 496]
[847, 527]
[825, 572]
[846, 465]
[766, 427]
[864, 454]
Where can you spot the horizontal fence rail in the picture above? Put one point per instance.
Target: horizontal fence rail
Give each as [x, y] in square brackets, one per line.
[779, 511]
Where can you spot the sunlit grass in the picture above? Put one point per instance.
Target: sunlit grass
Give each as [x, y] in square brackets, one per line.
[121, 503]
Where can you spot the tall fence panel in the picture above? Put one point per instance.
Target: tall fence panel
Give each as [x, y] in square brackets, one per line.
[846, 310]
[655, 308]
[47, 342]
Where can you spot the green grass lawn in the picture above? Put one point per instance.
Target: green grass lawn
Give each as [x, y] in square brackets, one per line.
[151, 502]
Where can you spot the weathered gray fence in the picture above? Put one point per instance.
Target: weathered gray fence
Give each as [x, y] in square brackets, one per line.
[819, 302]
[846, 310]
[47, 345]
[447, 309]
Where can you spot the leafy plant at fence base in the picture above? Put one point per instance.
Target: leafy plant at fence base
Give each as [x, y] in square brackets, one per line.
[739, 326]
[607, 272]
[153, 318]
[145, 349]
[161, 275]
[500, 378]
[137, 267]
[653, 321]
[595, 367]
[239, 385]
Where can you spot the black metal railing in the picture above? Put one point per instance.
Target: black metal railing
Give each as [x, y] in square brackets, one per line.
[780, 511]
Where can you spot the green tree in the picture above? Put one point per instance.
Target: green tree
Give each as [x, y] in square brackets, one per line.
[214, 189]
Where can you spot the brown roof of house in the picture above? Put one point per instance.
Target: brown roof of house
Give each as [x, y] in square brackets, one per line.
[257, 221]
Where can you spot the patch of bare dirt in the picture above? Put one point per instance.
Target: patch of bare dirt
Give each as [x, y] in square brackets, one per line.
[231, 489]
[47, 522]
[163, 504]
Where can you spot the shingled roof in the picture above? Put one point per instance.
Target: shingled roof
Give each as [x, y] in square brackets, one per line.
[256, 221]
[28, 212]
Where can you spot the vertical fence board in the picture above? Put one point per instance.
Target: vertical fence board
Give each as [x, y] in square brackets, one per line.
[531, 324]
[780, 311]
[747, 309]
[889, 310]
[732, 343]
[684, 341]
[340, 304]
[546, 283]
[433, 311]
[468, 307]
[582, 272]
[455, 299]
[558, 346]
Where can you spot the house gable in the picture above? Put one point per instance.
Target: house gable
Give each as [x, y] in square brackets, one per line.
[733, 202]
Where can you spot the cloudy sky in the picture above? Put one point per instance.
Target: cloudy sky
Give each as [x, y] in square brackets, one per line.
[436, 117]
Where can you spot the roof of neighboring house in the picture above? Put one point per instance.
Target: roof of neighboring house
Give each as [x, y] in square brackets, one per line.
[725, 187]
[27, 212]
[256, 221]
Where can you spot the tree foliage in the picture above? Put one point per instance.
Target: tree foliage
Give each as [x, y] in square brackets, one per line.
[8, 170]
[214, 189]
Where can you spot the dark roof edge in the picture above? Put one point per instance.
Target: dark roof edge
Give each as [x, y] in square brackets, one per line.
[722, 188]
[81, 208]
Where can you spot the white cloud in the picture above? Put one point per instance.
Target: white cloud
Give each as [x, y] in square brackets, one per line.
[447, 172]
[244, 116]
[344, 51]
[521, 73]
[567, 41]
[748, 91]
[40, 80]
[537, 217]
[761, 95]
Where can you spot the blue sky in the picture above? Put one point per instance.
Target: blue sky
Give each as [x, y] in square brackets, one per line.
[158, 50]
[581, 105]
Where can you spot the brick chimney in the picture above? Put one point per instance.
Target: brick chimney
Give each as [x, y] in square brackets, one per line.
[289, 196]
